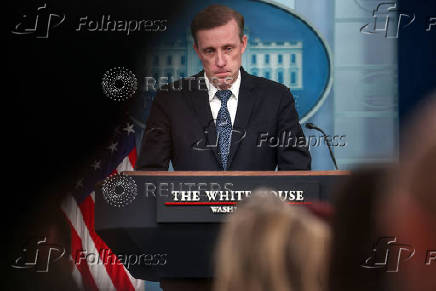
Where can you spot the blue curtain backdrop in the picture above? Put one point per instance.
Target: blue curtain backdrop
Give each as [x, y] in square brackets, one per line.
[416, 57]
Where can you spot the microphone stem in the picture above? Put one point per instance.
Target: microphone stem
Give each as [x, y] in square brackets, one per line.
[328, 145]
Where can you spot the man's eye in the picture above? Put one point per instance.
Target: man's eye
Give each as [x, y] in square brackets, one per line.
[209, 51]
[229, 49]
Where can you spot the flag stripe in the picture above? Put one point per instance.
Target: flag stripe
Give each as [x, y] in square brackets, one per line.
[118, 275]
[98, 271]
[86, 277]
[132, 157]
[125, 165]
[77, 277]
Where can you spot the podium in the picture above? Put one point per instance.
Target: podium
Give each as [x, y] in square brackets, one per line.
[167, 223]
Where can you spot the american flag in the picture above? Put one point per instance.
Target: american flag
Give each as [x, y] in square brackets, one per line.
[78, 208]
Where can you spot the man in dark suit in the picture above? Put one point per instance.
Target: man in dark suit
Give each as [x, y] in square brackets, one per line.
[223, 118]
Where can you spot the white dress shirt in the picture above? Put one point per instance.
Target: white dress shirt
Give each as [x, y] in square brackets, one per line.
[215, 102]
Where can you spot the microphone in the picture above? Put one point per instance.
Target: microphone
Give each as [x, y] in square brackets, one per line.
[310, 125]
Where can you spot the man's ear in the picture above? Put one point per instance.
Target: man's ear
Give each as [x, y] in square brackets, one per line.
[196, 49]
[244, 43]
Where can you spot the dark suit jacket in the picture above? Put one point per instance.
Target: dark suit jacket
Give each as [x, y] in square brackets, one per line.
[181, 129]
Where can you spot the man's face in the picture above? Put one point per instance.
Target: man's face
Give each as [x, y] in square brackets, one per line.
[220, 50]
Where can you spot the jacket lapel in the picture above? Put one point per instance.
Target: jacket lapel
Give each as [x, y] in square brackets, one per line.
[200, 103]
[246, 101]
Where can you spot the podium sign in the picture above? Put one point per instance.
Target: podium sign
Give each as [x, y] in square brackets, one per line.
[210, 198]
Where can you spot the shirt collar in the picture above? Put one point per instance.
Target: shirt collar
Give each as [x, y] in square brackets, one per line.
[234, 88]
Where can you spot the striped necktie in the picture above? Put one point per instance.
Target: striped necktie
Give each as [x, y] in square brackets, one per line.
[224, 127]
